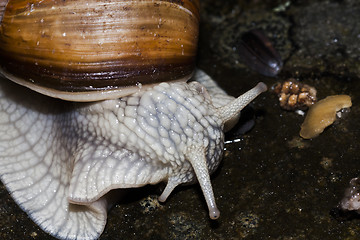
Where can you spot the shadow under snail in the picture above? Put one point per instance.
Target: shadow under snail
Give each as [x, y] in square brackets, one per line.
[128, 115]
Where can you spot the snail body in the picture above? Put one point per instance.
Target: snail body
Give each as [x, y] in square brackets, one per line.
[61, 159]
[71, 155]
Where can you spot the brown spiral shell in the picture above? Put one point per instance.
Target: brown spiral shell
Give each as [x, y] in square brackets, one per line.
[81, 50]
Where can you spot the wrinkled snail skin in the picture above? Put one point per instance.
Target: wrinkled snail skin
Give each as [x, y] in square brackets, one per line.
[99, 49]
[171, 132]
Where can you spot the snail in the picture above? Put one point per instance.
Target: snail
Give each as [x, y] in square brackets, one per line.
[99, 99]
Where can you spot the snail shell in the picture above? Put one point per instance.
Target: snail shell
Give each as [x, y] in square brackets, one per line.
[97, 50]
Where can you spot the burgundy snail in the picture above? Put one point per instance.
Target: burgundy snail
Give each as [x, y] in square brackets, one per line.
[141, 121]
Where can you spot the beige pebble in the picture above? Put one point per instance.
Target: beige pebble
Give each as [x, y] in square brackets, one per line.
[323, 114]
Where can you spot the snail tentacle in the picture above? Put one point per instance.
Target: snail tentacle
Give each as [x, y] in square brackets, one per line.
[231, 110]
[197, 158]
[170, 186]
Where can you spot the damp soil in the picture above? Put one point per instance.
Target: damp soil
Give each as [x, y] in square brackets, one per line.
[271, 184]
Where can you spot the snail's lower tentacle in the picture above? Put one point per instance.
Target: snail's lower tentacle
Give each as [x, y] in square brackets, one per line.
[170, 186]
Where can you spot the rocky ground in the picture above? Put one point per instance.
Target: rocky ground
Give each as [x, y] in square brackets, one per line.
[272, 184]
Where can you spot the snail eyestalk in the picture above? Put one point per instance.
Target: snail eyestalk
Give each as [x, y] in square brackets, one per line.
[231, 110]
[196, 157]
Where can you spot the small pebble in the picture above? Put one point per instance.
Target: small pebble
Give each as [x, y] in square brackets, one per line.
[294, 95]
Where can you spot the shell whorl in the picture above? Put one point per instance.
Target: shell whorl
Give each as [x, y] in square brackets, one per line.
[65, 46]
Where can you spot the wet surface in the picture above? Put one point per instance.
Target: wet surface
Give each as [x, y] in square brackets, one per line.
[272, 184]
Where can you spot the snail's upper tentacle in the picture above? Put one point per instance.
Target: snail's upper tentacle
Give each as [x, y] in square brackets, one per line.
[231, 110]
